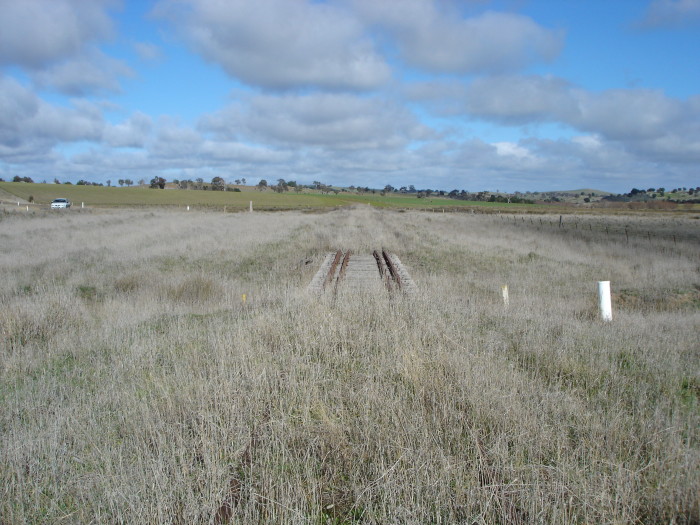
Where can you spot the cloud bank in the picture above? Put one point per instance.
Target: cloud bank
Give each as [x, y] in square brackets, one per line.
[440, 94]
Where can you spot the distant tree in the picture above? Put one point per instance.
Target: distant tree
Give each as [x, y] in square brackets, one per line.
[262, 184]
[109, 183]
[586, 199]
[141, 182]
[157, 182]
[388, 188]
[292, 183]
[56, 181]
[282, 185]
[120, 182]
[218, 184]
[130, 182]
[411, 189]
[243, 181]
[17, 178]
[237, 181]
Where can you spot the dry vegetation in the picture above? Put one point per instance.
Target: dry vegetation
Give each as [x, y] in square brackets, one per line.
[137, 387]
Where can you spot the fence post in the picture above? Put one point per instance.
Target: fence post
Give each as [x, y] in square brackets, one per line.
[604, 301]
[504, 293]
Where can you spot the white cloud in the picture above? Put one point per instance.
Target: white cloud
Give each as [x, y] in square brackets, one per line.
[335, 121]
[147, 51]
[446, 42]
[93, 72]
[280, 44]
[36, 33]
[643, 120]
[511, 149]
[175, 141]
[26, 120]
[520, 99]
[133, 133]
[671, 13]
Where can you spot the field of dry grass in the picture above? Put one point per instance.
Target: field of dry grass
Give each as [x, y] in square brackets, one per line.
[136, 386]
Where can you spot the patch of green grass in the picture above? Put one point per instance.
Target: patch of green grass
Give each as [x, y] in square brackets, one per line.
[87, 292]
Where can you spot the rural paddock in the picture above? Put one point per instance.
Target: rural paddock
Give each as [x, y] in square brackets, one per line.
[172, 367]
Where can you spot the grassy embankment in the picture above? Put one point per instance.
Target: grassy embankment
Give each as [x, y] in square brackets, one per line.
[137, 387]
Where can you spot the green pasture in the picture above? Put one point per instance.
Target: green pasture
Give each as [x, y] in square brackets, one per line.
[111, 196]
[43, 194]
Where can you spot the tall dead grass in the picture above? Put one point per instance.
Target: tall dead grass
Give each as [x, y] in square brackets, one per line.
[136, 386]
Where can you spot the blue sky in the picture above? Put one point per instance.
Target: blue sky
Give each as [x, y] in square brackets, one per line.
[512, 95]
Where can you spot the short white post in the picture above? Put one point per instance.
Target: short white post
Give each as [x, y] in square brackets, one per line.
[82, 204]
[188, 207]
[27, 208]
[604, 300]
[504, 293]
[251, 206]
[17, 203]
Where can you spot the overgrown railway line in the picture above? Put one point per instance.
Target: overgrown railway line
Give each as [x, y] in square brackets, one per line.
[344, 270]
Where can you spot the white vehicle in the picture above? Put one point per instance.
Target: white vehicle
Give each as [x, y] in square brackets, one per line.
[60, 203]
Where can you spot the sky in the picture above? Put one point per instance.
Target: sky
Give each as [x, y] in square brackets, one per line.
[510, 95]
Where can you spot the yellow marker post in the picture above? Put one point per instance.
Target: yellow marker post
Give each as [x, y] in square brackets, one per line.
[243, 298]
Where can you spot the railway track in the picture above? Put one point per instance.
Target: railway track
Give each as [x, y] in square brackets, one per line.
[344, 270]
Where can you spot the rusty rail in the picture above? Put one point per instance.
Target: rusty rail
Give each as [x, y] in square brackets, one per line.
[331, 271]
[343, 269]
[393, 271]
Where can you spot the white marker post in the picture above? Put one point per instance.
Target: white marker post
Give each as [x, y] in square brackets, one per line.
[604, 301]
[188, 208]
[251, 206]
[504, 293]
[82, 204]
